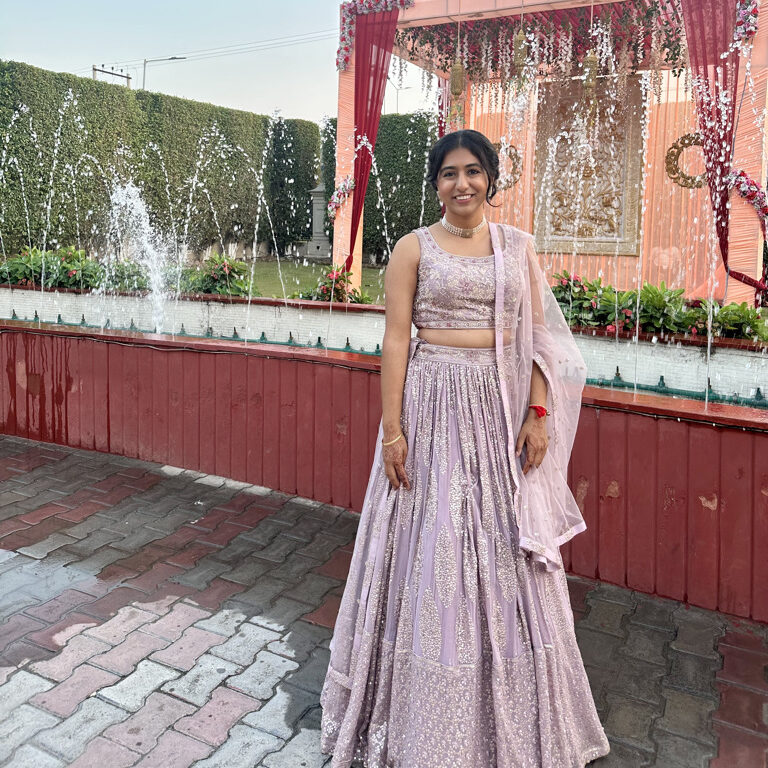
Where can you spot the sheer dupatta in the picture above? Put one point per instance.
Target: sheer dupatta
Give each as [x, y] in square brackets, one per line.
[545, 511]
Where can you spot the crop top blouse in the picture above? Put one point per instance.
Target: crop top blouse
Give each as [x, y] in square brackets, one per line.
[455, 291]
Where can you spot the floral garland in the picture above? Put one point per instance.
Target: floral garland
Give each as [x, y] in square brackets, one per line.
[349, 11]
[555, 43]
[339, 197]
[752, 192]
[746, 20]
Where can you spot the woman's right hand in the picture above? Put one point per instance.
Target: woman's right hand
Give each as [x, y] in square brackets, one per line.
[393, 457]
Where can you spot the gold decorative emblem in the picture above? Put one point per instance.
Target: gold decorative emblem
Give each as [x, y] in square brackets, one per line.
[673, 158]
[510, 174]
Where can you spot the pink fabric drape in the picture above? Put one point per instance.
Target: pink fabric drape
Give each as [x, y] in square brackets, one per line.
[374, 40]
[709, 28]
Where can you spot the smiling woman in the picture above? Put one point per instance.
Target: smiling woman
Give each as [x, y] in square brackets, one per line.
[454, 643]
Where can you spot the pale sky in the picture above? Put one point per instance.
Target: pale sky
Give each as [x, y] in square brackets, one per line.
[299, 80]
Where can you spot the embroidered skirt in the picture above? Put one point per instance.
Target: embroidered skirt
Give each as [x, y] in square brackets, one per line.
[451, 648]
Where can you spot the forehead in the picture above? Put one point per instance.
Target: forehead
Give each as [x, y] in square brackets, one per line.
[460, 158]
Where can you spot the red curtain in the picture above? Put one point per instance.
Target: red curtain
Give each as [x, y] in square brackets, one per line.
[709, 30]
[374, 39]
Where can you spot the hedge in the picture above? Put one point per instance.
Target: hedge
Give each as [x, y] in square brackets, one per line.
[400, 151]
[110, 134]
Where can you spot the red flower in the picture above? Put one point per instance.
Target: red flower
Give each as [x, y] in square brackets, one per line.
[593, 303]
[610, 327]
[693, 330]
[72, 272]
[577, 278]
[628, 312]
[563, 281]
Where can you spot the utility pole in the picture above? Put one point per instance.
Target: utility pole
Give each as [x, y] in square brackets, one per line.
[165, 58]
[113, 73]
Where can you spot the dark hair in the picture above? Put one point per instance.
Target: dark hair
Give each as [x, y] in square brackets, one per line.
[478, 144]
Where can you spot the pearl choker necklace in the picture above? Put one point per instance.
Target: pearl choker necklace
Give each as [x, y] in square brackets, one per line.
[459, 232]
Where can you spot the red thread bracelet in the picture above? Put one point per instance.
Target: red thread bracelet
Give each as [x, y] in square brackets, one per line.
[541, 411]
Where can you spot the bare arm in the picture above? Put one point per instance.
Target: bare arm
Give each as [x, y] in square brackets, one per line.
[400, 287]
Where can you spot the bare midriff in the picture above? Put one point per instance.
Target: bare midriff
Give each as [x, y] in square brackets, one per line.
[462, 337]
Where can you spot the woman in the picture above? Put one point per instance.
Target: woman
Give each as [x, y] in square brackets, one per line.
[454, 643]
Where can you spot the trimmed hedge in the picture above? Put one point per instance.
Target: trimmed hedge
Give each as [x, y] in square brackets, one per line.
[109, 134]
[400, 151]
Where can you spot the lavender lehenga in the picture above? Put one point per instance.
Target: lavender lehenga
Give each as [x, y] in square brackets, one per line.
[454, 644]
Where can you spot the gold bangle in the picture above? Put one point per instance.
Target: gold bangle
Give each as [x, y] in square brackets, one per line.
[392, 442]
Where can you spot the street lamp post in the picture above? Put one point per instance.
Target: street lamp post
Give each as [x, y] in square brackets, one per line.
[165, 58]
[397, 93]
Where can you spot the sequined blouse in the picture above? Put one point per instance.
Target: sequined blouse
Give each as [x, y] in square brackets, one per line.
[455, 291]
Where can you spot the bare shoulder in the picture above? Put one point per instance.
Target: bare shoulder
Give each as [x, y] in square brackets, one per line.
[406, 253]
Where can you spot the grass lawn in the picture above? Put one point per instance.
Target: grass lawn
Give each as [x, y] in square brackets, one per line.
[297, 277]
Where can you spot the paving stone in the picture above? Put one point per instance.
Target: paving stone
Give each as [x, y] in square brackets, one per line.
[18, 626]
[302, 751]
[325, 512]
[630, 722]
[87, 527]
[281, 614]
[175, 749]
[53, 610]
[697, 635]
[325, 615]
[597, 648]
[132, 691]
[688, 716]
[197, 684]
[202, 574]
[282, 711]
[691, 674]
[212, 722]
[653, 612]
[234, 552]
[248, 571]
[103, 752]
[261, 594]
[245, 746]
[264, 533]
[184, 653]
[141, 730]
[123, 658]
[216, 593]
[20, 726]
[224, 622]
[99, 560]
[19, 689]
[606, 617]
[321, 547]
[118, 628]
[614, 594]
[93, 541]
[647, 644]
[172, 625]
[29, 756]
[260, 678]
[312, 589]
[636, 679]
[299, 641]
[676, 752]
[311, 675]
[76, 652]
[622, 756]
[64, 699]
[278, 549]
[68, 738]
[305, 528]
[338, 565]
[243, 646]
[43, 548]
[138, 539]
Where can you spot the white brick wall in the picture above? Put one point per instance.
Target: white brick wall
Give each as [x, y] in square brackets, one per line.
[683, 367]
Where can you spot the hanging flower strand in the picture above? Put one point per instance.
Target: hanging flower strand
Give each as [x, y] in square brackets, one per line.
[352, 9]
[751, 191]
[339, 197]
[746, 20]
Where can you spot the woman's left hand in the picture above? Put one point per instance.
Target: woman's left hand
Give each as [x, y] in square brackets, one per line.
[533, 435]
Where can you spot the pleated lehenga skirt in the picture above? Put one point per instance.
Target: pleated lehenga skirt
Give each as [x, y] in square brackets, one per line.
[451, 648]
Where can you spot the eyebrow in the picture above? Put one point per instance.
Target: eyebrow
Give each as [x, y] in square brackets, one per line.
[453, 167]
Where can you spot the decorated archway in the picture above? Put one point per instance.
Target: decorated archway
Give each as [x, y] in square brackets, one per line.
[671, 190]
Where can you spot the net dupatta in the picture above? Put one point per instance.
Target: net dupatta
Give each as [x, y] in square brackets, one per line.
[545, 510]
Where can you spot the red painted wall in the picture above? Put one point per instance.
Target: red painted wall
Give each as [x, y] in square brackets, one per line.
[675, 497]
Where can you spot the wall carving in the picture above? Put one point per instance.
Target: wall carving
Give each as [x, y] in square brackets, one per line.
[588, 191]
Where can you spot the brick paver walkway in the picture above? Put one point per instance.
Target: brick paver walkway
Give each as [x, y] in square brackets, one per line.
[155, 617]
